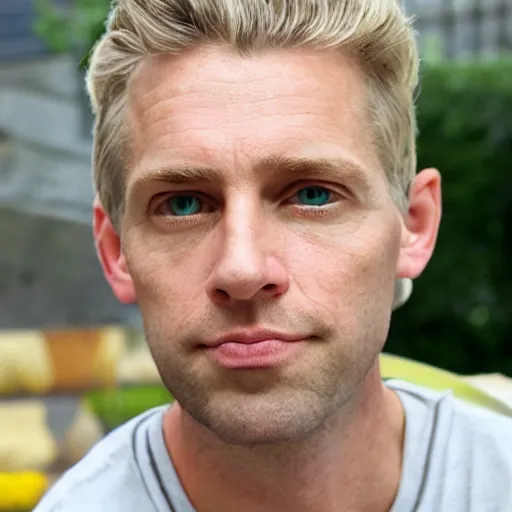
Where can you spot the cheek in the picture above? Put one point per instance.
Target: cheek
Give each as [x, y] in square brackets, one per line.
[346, 265]
[166, 279]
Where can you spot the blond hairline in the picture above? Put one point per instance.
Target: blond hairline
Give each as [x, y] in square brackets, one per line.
[117, 55]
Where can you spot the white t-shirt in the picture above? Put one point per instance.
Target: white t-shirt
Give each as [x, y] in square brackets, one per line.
[457, 458]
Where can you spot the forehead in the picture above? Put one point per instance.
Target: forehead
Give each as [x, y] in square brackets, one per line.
[219, 109]
[220, 65]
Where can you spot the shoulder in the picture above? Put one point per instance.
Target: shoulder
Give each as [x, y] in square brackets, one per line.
[469, 447]
[462, 417]
[108, 477]
[484, 436]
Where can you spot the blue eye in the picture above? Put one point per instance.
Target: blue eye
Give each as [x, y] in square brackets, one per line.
[314, 196]
[184, 205]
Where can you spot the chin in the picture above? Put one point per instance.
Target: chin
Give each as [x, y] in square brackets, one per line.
[263, 420]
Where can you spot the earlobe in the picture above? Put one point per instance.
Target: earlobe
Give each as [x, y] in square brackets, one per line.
[421, 224]
[112, 259]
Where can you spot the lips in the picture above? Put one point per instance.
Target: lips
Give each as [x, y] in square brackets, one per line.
[257, 349]
[254, 336]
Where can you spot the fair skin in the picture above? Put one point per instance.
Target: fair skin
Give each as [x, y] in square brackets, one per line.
[255, 199]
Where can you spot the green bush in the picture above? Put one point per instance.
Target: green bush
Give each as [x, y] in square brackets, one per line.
[75, 27]
[460, 314]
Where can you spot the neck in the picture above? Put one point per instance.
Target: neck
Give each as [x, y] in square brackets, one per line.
[353, 464]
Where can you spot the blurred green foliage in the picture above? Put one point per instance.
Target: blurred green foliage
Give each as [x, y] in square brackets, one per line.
[460, 314]
[116, 406]
[75, 26]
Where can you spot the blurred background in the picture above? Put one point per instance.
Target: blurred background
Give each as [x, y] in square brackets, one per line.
[458, 318]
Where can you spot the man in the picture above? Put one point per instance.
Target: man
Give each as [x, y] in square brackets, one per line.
[257, 197]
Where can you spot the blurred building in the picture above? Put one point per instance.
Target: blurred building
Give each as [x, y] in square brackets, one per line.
[49, 274]
[461, 29]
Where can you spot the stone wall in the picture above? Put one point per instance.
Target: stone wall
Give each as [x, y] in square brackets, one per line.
[49, 275]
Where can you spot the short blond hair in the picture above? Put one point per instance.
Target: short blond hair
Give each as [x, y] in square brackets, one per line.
[376, 31]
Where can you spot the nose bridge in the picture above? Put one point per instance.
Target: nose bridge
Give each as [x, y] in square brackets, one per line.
[246, 266]
[242, 243]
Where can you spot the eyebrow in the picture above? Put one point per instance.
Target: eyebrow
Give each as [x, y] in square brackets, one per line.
[180, 174]
[273, 165]
[319, 167]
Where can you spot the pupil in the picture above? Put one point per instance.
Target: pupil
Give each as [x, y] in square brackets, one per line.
[184, 204]
[314, 195]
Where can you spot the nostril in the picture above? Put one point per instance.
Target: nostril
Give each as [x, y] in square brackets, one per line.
[222, 294]
[269, 287]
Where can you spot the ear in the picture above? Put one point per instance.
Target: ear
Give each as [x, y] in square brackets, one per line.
[112, 259]
[421, 224]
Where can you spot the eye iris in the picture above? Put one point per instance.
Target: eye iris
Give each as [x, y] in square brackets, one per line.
[314, 196]
[185, 205]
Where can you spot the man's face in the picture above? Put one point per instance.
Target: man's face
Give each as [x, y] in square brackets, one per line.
[255, 200]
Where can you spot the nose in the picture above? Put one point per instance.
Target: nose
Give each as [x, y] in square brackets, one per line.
[247, 268]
